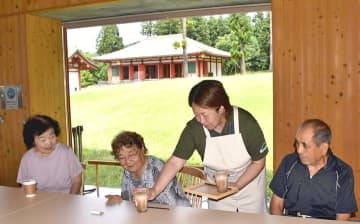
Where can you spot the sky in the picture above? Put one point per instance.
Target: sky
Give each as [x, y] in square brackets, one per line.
[85, 38]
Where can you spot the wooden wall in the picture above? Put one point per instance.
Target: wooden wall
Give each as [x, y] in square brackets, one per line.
[316, 48]
[31, 55]
[12, 72]
[45, 69]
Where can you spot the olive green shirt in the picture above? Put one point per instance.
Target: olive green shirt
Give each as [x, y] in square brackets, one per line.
[193, 137]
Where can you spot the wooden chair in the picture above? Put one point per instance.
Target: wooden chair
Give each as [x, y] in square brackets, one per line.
[77, 147]
[189, 176]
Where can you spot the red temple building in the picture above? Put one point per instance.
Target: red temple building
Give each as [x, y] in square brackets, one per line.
[157, 58]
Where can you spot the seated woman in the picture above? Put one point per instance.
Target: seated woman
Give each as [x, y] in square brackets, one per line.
[141, 170]
[52, 165]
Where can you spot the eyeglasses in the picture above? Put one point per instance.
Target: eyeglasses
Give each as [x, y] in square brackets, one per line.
[44, 138]
[130, 157]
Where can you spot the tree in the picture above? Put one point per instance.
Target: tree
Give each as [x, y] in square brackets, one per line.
[252, 55]
[108, 40]
[167, 26]
[262, 34]
[88, 78]
[231, 66]
[241, 33]
[101, 73]
[197, 29]
[218, 27]
[148, 28]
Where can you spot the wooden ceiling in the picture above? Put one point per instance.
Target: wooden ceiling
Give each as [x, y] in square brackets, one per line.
[140, 10]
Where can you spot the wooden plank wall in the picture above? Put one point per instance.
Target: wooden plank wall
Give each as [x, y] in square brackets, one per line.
[12, 72]
[46, 73]
[31, 55]
[316, 48]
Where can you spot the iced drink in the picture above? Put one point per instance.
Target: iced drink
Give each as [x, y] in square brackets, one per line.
[221, 181]
[29, 188]
[140, 198]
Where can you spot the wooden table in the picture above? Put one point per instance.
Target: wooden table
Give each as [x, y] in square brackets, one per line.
[59, 208]
[13, 199]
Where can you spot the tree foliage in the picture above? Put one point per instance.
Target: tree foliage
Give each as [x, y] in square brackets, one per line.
[108, 40]
[231, 66]
[246, 38]
[218, 27]
[241, 32]
[148, 28]
[168, 26]
[92, 77]
[198, 29]
[262, 33]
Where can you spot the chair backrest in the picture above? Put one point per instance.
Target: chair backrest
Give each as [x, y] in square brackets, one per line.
[78, 150]
[189, 176]
[77, 141]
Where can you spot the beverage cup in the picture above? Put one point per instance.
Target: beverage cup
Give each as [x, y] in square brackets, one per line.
[140, 198]
[221, 181]
[29, 188]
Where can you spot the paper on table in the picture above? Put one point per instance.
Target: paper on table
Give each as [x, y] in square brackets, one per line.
[96, 212]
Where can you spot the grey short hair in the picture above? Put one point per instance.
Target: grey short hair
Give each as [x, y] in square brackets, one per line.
[322, 131]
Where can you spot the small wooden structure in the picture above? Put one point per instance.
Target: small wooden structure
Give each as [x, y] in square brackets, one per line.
[76, 63]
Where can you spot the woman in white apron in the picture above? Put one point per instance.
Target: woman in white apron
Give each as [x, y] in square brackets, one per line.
[227, 138]
[229, 153]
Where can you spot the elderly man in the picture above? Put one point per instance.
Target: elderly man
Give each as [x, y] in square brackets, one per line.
[313, 182]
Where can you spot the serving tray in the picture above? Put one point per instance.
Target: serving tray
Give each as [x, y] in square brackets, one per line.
[209, 190]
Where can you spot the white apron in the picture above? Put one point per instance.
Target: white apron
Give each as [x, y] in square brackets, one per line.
[229, 153]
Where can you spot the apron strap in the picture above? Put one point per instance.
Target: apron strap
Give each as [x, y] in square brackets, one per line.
[236, 123]
[207, 133]
[236, 120]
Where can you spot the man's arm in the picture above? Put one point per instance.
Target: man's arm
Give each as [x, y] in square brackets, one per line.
[345, 198]
[343, 216]
[276, 205]
[76, 184]
[171, 167]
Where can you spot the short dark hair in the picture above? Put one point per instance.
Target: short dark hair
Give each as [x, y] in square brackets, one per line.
[36, 125]
[210, 93]
[322, 131]
[127, 139]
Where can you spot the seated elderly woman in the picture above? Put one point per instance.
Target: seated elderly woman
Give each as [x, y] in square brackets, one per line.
[52, 165]
[141, 170]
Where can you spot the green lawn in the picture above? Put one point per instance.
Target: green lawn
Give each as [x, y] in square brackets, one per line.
[158, 110]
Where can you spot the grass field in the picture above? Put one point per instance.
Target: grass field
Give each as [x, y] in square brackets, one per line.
[158, 111]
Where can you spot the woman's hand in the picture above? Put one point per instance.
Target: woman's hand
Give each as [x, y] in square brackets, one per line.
[114, 198]
[251, 172]
[151, 194]
[171, 167]
[76, 184]
[233, 185]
